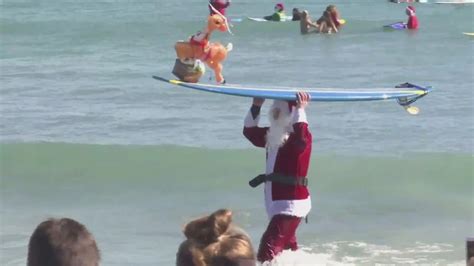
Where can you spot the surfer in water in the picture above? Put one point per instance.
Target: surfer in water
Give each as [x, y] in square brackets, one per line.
[288, 144]
[412, 23]
[219, 5]
[279, 14]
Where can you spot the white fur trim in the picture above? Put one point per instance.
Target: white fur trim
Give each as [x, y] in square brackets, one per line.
[298, 208]
[299, 115]
[271, 159]
[249, 121]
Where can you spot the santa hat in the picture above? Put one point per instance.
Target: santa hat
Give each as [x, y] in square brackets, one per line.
[280, 6]
[411, 10]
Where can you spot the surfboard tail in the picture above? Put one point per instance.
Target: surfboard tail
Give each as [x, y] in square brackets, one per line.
[406, 102]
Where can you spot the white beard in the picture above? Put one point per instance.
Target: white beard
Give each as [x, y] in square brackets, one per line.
[278, 132]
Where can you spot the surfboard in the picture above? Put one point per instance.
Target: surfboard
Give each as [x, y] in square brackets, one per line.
[468, 33]
[396, 26]
[408, 1]
[286, 19]
[404, 94]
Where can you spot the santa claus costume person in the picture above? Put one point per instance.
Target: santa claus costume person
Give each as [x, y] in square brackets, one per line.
[288, 148]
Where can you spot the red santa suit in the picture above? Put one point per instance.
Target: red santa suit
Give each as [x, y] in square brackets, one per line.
[412, 19]
[285, 204]
[219, 5]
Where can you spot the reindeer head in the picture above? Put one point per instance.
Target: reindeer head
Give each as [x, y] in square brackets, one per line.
[217, 22]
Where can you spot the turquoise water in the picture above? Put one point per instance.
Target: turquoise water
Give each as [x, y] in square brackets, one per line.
[87, 133]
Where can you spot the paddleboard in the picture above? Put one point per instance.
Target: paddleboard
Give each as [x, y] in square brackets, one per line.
[404, 94]
[396, 26]
[455, 2]
[468, 33]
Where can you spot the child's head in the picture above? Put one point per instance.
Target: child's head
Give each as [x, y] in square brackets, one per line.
[279, 7]
[296, 11]
[410, 11]
[213, 240]
[63, 241]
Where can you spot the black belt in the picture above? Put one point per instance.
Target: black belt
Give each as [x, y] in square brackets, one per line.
[281, 179]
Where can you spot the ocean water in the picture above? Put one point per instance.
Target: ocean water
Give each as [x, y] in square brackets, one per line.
[87, 133]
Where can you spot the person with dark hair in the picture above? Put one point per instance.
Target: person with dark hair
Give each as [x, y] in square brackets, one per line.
[62, 242]
[214, 241]
[296, 14]
[287, 143]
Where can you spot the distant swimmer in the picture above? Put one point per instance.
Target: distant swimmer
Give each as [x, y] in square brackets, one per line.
[306, 24]
[279, 14]
[219, 5]
[335, 15]
[330, 21]
[412, 23]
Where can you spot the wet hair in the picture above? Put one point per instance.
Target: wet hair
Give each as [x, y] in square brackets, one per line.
[59, 242]
[213, 241]
[330, 8]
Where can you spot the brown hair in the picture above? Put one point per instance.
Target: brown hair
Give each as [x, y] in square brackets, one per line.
[59, 242]
[213, 241]
[330, 8]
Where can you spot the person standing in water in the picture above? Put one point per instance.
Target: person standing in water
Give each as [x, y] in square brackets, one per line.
[306, 23]
[279, 14]
[288, 143]
[330, 21]
[412, 23]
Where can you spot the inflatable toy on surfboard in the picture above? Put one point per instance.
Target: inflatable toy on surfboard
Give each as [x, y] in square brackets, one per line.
[405, 94]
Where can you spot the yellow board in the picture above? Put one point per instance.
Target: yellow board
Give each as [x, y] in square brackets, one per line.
[468, 33]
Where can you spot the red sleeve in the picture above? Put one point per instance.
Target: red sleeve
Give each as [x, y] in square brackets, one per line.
[256, 135]
[302, 135]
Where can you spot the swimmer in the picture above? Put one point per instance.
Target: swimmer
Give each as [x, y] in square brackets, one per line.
[306, 24]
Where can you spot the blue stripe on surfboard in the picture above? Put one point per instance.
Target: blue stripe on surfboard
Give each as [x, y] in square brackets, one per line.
[316, 95]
